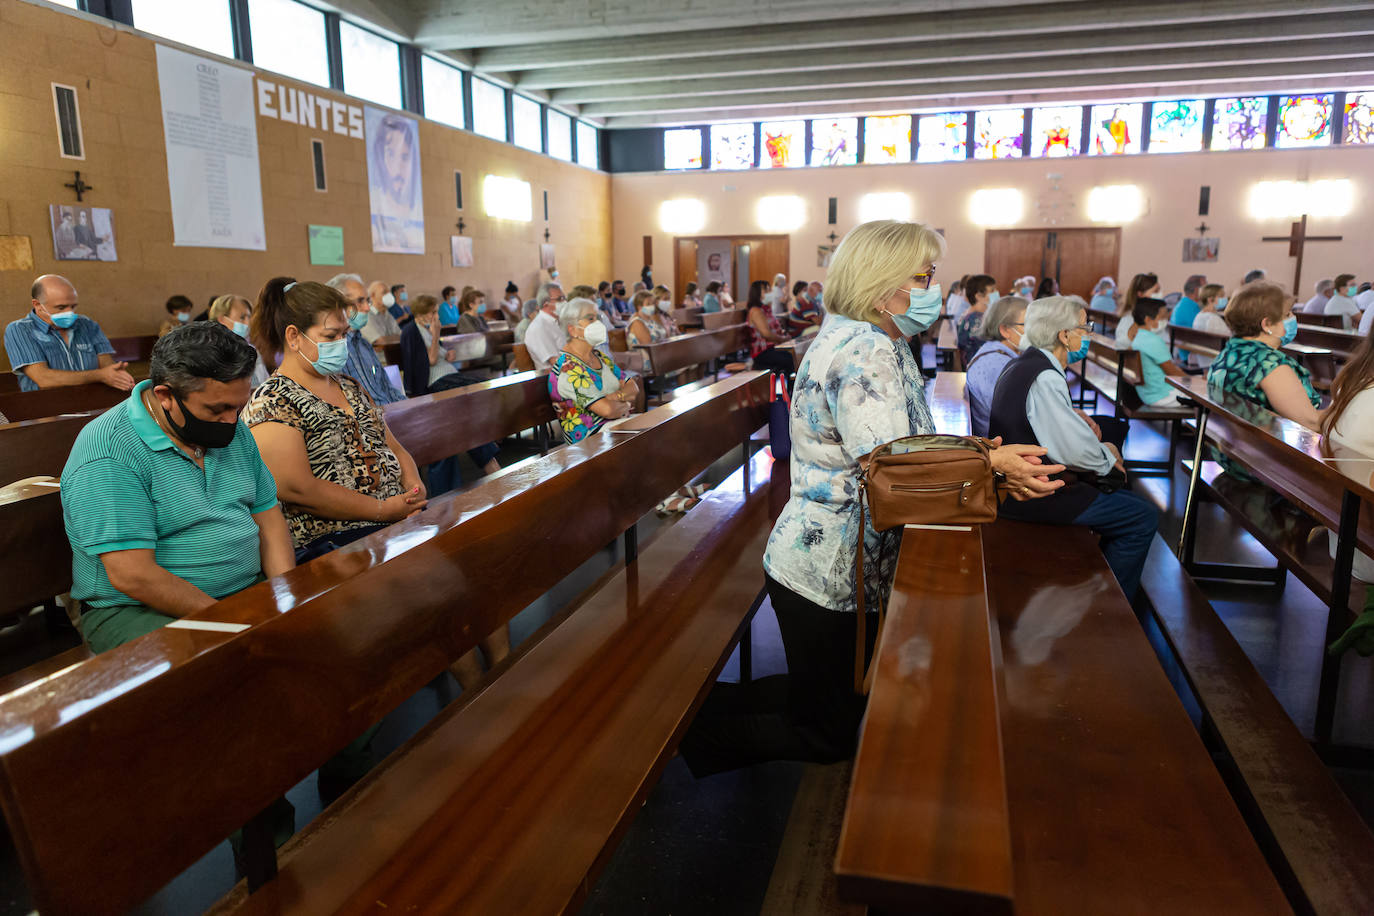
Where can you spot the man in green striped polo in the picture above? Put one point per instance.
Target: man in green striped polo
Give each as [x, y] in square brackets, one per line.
[167, 503]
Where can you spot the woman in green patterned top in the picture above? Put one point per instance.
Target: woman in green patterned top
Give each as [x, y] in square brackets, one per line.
[1253, 365]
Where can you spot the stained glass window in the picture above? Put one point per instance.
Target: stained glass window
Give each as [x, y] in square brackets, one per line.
[1359, 117]
[1240, 123]
[1057, 132]
[1304, 120]
[887, 139]
[682, 148]
[1115, 129]
[732, 146]
[835, 141]
[997, 134]
[942, 137]
[784, 144]
[1176, 127]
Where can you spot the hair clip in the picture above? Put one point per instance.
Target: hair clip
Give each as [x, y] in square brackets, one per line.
[287, 287]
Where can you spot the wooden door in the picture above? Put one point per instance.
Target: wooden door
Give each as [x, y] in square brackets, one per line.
[768, 257]
[1084, 256]
[1012, 253]
[684, 267]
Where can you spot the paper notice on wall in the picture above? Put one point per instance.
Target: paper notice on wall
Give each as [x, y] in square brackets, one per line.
[210, 126]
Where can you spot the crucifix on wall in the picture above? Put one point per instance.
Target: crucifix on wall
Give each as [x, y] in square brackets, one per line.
[1296, 239]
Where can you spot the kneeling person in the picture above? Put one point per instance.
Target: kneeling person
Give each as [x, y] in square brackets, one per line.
[167, 503]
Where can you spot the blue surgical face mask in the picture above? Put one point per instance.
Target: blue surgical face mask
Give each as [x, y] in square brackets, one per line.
[993, 297]
[1221, 302]
[63, 320]
[819, 298]
[1290, 331]
[241, 329]
[1350, 291]
[481, 308]
[359, 321]
[183, 317]
[921, 312]
[332, 356]
[1074, 356]
[404, 296]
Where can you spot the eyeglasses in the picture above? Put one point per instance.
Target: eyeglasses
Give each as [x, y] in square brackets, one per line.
[923, 280]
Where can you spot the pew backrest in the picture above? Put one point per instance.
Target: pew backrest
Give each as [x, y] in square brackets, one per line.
[439, 425]
[50, 402]
[32, 447]
[337, 644]
[134, 349]
[1340, 342]
[714, 321]
[686, 350]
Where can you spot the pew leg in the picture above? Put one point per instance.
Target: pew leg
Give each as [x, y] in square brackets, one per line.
[1189, 536]
[1336, 616]
[746, 653]
[257, 856]
[631, 544]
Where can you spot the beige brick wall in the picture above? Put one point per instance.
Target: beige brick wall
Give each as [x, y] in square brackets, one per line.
[115, 73]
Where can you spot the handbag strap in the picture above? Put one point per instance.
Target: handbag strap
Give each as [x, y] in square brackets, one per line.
[863, 674]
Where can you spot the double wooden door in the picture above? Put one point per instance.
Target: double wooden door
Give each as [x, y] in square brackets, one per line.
[753, 257]
[1077, 258]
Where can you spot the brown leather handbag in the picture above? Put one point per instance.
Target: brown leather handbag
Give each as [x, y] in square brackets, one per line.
[920, 480]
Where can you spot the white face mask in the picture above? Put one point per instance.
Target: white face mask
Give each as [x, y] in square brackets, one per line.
[665, 307]
[648, 309]
[595, 333]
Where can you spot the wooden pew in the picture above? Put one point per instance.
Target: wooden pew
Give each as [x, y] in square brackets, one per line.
[1319, 361]
[547, 767]
[689, 317]
[51, 402]
[39, 447]
[1112, 371]
[320, 662]
[1320, 848]
[688, 350]
[947, 348]
[1286, 459]
[133, 349]
[714, 321]
[9, 383]
[1324, 320]
[437, 426]
[1105, 321]
[36, 559]
[1340, 342]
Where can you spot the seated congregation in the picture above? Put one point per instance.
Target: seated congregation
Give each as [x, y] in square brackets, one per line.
[273, 547]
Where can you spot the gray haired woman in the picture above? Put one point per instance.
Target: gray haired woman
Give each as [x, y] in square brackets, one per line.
[586, 386]
[1003, 327]
[1031, 403]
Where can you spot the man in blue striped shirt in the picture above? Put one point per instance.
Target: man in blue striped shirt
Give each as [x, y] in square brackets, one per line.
[54, 347]
[363, 364]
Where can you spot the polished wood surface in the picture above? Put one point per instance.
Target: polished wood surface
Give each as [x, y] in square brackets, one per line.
[336, 644]
[35, 556]
[714, 321]
[688, 317]
[1339, 341]
[9, 383]
[50, 402]
[926, 825]
[39, 447]
[1320, 838]
[513, 802]
[133, 349]
[1105, 321]
[436, 426]
[687, 350]
[949, 404]
[1324, 320]
[1319, 361]
[947, 344]
[1115, 804]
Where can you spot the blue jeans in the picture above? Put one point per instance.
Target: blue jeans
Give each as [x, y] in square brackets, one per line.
[1126, 522]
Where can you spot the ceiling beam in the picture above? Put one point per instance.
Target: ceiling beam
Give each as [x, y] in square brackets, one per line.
[389, 17]
[1054, 18]
[1231, 78]
[1159, 38]
[963, 72]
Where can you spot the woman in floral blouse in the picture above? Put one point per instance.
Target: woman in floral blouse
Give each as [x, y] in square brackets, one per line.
[586, 385]
[857, 388]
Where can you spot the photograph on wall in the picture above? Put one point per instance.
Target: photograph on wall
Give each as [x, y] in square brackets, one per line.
[546, 261]
[393, 180]
[460, 250]
[1240, 123]
[1056, 132]
[713, 261]
[1115, 129]
[823, 255]
[326, 245]
[82, 233]
[1201, 250]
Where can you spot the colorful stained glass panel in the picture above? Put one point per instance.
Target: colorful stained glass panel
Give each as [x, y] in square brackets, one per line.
[784, 144]
[732, 146]
[835, 141]
[1359, 117]
[887, 139]
[1057, 132]
[682, 148]
[1240, 123]
[942, 137]
[1115, 129]
[1304, 120]
[1176, 127]
[997, 134]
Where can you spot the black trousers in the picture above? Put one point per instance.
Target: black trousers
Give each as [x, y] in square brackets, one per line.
[811, 713]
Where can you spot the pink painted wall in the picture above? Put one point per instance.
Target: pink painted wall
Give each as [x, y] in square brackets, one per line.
[941, 192]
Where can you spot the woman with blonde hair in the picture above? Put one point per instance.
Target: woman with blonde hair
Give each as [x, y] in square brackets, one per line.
[857, 388]
[233, 312]
[645, 326]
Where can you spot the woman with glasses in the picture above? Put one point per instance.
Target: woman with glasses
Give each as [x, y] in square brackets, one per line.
[857, 388]
[1003, 331]
[1031, 403]
[585, 384]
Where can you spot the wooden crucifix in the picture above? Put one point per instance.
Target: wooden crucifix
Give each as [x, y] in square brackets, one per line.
[1296, 239]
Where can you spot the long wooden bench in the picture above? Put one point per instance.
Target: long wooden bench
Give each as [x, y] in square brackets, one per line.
[51, 402]
[1320, 849]
[1323, 320]
[331, 648]
[1319, 361]
[714, 321]
[1287, 461]
[1340, 342]
[688, 317]
[1104, 321]
[947, 348]
[514, 801]
[439, 425]
[31, 448]
[1112, 371]
[134, 349]
[686, 351]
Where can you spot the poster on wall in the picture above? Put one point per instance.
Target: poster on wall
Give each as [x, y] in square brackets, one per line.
[1201, 249]
[546, 257]
[326, 245]
[393, 182]
[823, 255]
[82, 233]
[211, 131]
[460, 249]
[713, 261]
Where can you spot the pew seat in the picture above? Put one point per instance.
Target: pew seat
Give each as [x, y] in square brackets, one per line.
[512, 802]
[1320, 849]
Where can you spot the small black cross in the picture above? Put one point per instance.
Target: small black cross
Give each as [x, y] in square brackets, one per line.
[79, 186]
[1202, 230]
[461, 225]
[546, 233]
[832, 236]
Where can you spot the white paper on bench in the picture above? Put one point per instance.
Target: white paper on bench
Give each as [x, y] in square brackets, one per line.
[213, 626]
[940, 527]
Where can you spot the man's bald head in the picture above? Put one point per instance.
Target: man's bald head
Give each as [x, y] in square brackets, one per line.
[53, 290]
[375, 291]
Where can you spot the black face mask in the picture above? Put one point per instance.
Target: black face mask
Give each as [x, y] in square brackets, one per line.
[204, 433]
